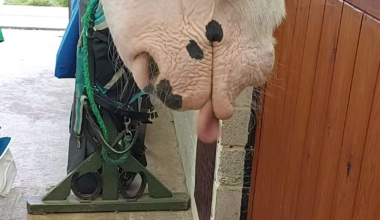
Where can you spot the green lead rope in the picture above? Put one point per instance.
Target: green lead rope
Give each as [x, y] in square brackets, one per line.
[90, 94]
[127, 140]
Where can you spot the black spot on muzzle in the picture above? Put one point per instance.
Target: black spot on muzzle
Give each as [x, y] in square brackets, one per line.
[214, 31]
[194, 50]
[153, 69]
[149, 89]
[164, 93]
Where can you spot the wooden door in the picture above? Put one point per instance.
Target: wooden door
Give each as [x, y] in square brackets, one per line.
[317, 155]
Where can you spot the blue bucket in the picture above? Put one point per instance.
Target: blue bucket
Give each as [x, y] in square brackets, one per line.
[4, 142]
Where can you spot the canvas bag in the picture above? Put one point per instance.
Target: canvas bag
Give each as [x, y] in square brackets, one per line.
[8, 168]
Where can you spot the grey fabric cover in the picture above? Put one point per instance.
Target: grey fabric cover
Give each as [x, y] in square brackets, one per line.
[82, 10]
[78, 155]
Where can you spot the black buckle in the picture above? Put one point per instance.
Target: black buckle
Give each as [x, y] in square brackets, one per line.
[90, 30]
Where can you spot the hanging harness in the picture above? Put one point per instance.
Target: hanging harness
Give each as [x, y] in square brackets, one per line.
[107, 98]
[103, 82]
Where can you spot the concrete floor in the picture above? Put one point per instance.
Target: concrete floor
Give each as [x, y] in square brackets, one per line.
[35, 110]
[30, 17]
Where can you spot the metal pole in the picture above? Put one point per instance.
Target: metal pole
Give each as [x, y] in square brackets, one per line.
[70, 5]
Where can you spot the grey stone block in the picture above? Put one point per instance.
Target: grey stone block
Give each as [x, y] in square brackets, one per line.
[245, 98]
[231, 166]
[234, 131]
[228, 201]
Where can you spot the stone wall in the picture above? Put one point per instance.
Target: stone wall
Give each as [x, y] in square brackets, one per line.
[229, 167]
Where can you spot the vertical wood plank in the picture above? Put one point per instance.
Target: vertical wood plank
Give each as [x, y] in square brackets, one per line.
[297, 111]
[361, 97]
[278, 34]
[272, 116]
[337, 109]
[204, 178]
[260, 114]
[367, 203]
[317, 118]
[253, 138]
[286, 122]
[372, 7]
[256, 151]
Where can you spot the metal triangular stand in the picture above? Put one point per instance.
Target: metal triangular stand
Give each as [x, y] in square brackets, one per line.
[59, 200]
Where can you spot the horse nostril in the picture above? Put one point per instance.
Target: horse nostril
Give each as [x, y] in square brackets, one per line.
[214, 31]
[194, 50]
[154, 71]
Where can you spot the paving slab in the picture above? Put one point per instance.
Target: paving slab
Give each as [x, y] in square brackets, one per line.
[34, 17]
[35, 111]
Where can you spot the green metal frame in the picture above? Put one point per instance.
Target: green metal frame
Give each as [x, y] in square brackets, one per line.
[59, 200]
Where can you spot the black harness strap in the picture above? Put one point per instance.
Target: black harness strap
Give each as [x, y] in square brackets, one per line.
[90, 49]
[114, 107]
[104, 101]
[101, 36]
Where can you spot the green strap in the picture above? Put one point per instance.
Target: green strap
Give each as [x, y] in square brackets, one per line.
[1, 36]
[135, 97]
[79, 97]
[99, 15]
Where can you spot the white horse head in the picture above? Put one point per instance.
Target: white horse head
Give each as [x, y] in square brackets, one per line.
[196, 54]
